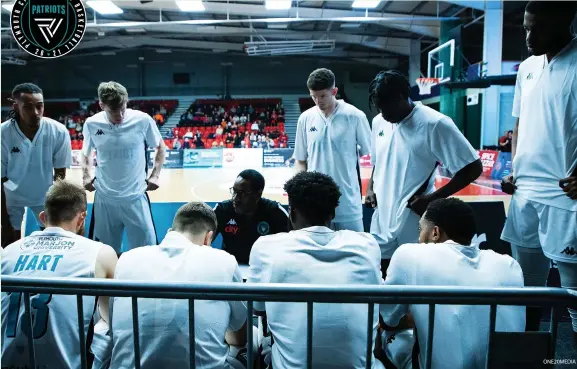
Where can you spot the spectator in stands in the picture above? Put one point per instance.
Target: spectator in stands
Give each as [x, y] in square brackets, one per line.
[229, 139]
[79, 126]
[235, 119]
[243, 119]
[254, 127]
[176, 144]
[159, 118]
[248, 216]
[219, 131]
[56, 342]
[315, 254]
[506, 141]
[184, 255]
[70, 123]
[198, 142]
[186, 144]
[189, 134]
[169, 134]
[446, 256]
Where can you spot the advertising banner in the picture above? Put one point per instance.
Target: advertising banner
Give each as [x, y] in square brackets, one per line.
[503, 166]
[77, 158]
[488, 158]
[172, 158]
[202, 158]
[274, 158]
[242, 158]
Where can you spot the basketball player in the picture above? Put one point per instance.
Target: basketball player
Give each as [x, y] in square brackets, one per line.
[445, 256]
[315, 254]
[542, 216]
[409, 139]
[327, 138]
[57, 251]
[35, 151]
[248, 216]
[185, 255]
[121, 137]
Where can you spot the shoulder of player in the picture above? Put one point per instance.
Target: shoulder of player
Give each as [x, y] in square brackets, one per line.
[360, 238]
[308, 114]
[138, 114]
[54, 124]
[531, 62]
[96, 118]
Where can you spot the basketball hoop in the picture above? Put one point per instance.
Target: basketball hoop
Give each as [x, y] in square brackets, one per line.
[425, 85]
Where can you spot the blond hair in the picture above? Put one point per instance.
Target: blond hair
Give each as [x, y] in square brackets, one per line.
[112, 94]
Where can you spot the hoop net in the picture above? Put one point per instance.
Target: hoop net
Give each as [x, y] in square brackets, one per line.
[425, 85]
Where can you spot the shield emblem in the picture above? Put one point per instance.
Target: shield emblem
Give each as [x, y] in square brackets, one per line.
[263, 228]
[50, 23]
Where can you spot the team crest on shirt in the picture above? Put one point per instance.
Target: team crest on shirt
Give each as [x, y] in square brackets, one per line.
[263, 228]
[381, 134]
[27, 244]
[529, 76]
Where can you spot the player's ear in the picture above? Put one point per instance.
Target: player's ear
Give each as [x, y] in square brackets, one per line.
[42, 217]
[436, 234]
[208, 238]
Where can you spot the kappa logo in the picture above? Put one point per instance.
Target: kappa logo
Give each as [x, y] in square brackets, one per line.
[390, 339]
[313, 129]
[569, 251]
[529, 76]
[15, 150]
[48, 29]
[100, 132]
[381, 134]
[232, 222]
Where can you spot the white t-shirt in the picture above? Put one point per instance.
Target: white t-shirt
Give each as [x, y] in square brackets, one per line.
[120, 153]
[317, 255]
[460, 332]
[164, 338]
[330, 146]
[546, 106]
[52, 253]
[404, 156]
[29, 165]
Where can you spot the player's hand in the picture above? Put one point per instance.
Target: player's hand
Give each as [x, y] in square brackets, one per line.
[419, 204]
[89, 185]
[508, 184]
[152, 184]
[8, 235]
[371, 199]
[569, 186]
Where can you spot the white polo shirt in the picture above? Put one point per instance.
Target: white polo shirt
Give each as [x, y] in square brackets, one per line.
[317, 255]
[546, 106]
[29, 165]
[461, 332]
[329, 145]
[404, 155]
[120, 153]
[164, 329]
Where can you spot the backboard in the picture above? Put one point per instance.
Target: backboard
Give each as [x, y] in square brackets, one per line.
[441, 61]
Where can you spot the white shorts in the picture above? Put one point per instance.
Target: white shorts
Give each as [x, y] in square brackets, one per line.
[531, 224]
[111, 217]
[408, 232]
[355, 225]
[16, 214]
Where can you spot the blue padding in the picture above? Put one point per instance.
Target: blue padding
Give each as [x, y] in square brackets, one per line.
[490, 218]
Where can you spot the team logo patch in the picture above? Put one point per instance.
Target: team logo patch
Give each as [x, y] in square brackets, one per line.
[231, 227]
[27, 244]
[263, 228]
[48, 29]
[100, 132]
[569, 251]
[313, 129]
[15, 150]
[529, 76]
[382, 133]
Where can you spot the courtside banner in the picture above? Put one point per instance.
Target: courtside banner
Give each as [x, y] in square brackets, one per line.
[172, 158]
[274, 158]
[242, 158]
[503, 166]
[488, 158]
[202, 158]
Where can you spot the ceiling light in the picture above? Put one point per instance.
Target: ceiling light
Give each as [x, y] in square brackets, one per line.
[190, 6]
[350, 25]
[163, 51]
[366, 4]
[8, 7]
[277, 26]
[278, 4]
[104, 7]
[135, 30]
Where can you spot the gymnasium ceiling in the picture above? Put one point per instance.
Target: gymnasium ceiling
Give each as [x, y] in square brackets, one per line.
[380, 36]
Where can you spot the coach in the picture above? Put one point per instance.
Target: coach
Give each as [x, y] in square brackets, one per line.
[246, 217]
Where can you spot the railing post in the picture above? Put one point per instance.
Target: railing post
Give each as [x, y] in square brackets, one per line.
[135, 332]
[553, 329]
[492, 323]
[429, 357]
[249, 352]
[28, 316]
[191, 334]
[309, 335]
[80, 309]
[370, 328]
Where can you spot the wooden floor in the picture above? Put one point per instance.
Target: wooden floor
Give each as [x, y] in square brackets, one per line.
[213, 184]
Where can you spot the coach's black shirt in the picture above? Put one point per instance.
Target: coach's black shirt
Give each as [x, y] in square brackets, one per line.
[239, 233]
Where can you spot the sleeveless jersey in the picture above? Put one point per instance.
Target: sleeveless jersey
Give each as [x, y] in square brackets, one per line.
[52, 253]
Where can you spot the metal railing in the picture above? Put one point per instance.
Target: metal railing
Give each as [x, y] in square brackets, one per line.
[370, 295]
